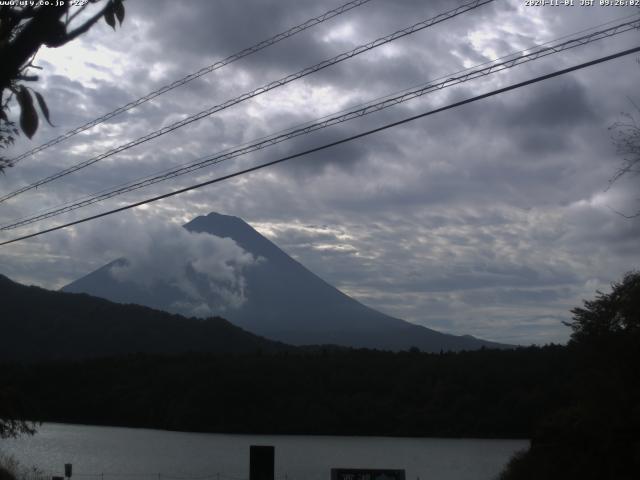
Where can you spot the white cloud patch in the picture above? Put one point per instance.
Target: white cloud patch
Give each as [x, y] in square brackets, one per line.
[206, 268]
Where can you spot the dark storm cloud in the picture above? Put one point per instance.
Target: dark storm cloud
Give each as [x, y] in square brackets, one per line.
[554, 106]
[262, 19]
[200, 31]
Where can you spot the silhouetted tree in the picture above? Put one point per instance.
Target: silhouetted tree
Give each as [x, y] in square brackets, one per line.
[598, 436]
[23, 30]
[12, 422]
[626, 138]
[610, 314]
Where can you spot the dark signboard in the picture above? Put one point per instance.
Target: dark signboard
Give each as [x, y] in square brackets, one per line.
[366, 474]
[261, 462]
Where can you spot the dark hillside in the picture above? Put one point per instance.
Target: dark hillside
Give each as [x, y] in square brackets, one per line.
[38, 324]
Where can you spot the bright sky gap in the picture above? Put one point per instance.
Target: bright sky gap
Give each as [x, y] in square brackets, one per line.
[192, 76]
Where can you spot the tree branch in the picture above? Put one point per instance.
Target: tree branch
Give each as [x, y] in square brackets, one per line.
[87, 25]
[76, 13]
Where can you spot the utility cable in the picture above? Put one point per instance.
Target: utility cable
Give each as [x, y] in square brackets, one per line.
[203, 71]
[329, 145]
[389, 101]
[254, 93]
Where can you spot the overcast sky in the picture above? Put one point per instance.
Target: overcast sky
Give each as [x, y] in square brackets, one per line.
[493, 219]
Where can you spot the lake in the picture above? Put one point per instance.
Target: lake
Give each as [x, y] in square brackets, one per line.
[110, 453]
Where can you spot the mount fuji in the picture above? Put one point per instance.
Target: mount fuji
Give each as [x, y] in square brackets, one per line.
[282, 299]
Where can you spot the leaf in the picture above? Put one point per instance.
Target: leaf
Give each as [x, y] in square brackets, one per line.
[118, 8]
[43, 107]
[109, 15]
[56, 34]
[28, 114]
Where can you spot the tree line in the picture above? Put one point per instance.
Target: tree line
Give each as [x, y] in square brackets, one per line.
[487, 393]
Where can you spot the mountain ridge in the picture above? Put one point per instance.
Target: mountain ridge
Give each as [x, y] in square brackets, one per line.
[49, 325]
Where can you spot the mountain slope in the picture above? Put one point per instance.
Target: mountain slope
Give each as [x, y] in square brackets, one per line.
[285, 301]
[38, 324]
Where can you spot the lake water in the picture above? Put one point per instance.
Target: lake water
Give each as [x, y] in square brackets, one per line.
[108, 453]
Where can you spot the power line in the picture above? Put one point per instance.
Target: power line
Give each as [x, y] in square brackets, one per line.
[135, 182]
[203, 71]
[254, 93]
[339, 58]
[329, 145]
[534, 53]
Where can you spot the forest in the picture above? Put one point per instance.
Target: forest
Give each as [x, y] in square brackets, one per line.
[487, 393]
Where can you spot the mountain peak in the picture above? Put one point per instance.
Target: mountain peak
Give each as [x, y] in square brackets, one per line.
[235, 228]
[221, 215]
[219, 225]
[217, 218]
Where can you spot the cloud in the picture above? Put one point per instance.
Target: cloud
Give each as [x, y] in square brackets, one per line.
[206, 268]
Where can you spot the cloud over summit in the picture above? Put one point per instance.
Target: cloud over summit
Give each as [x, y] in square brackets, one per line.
[206, 268]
